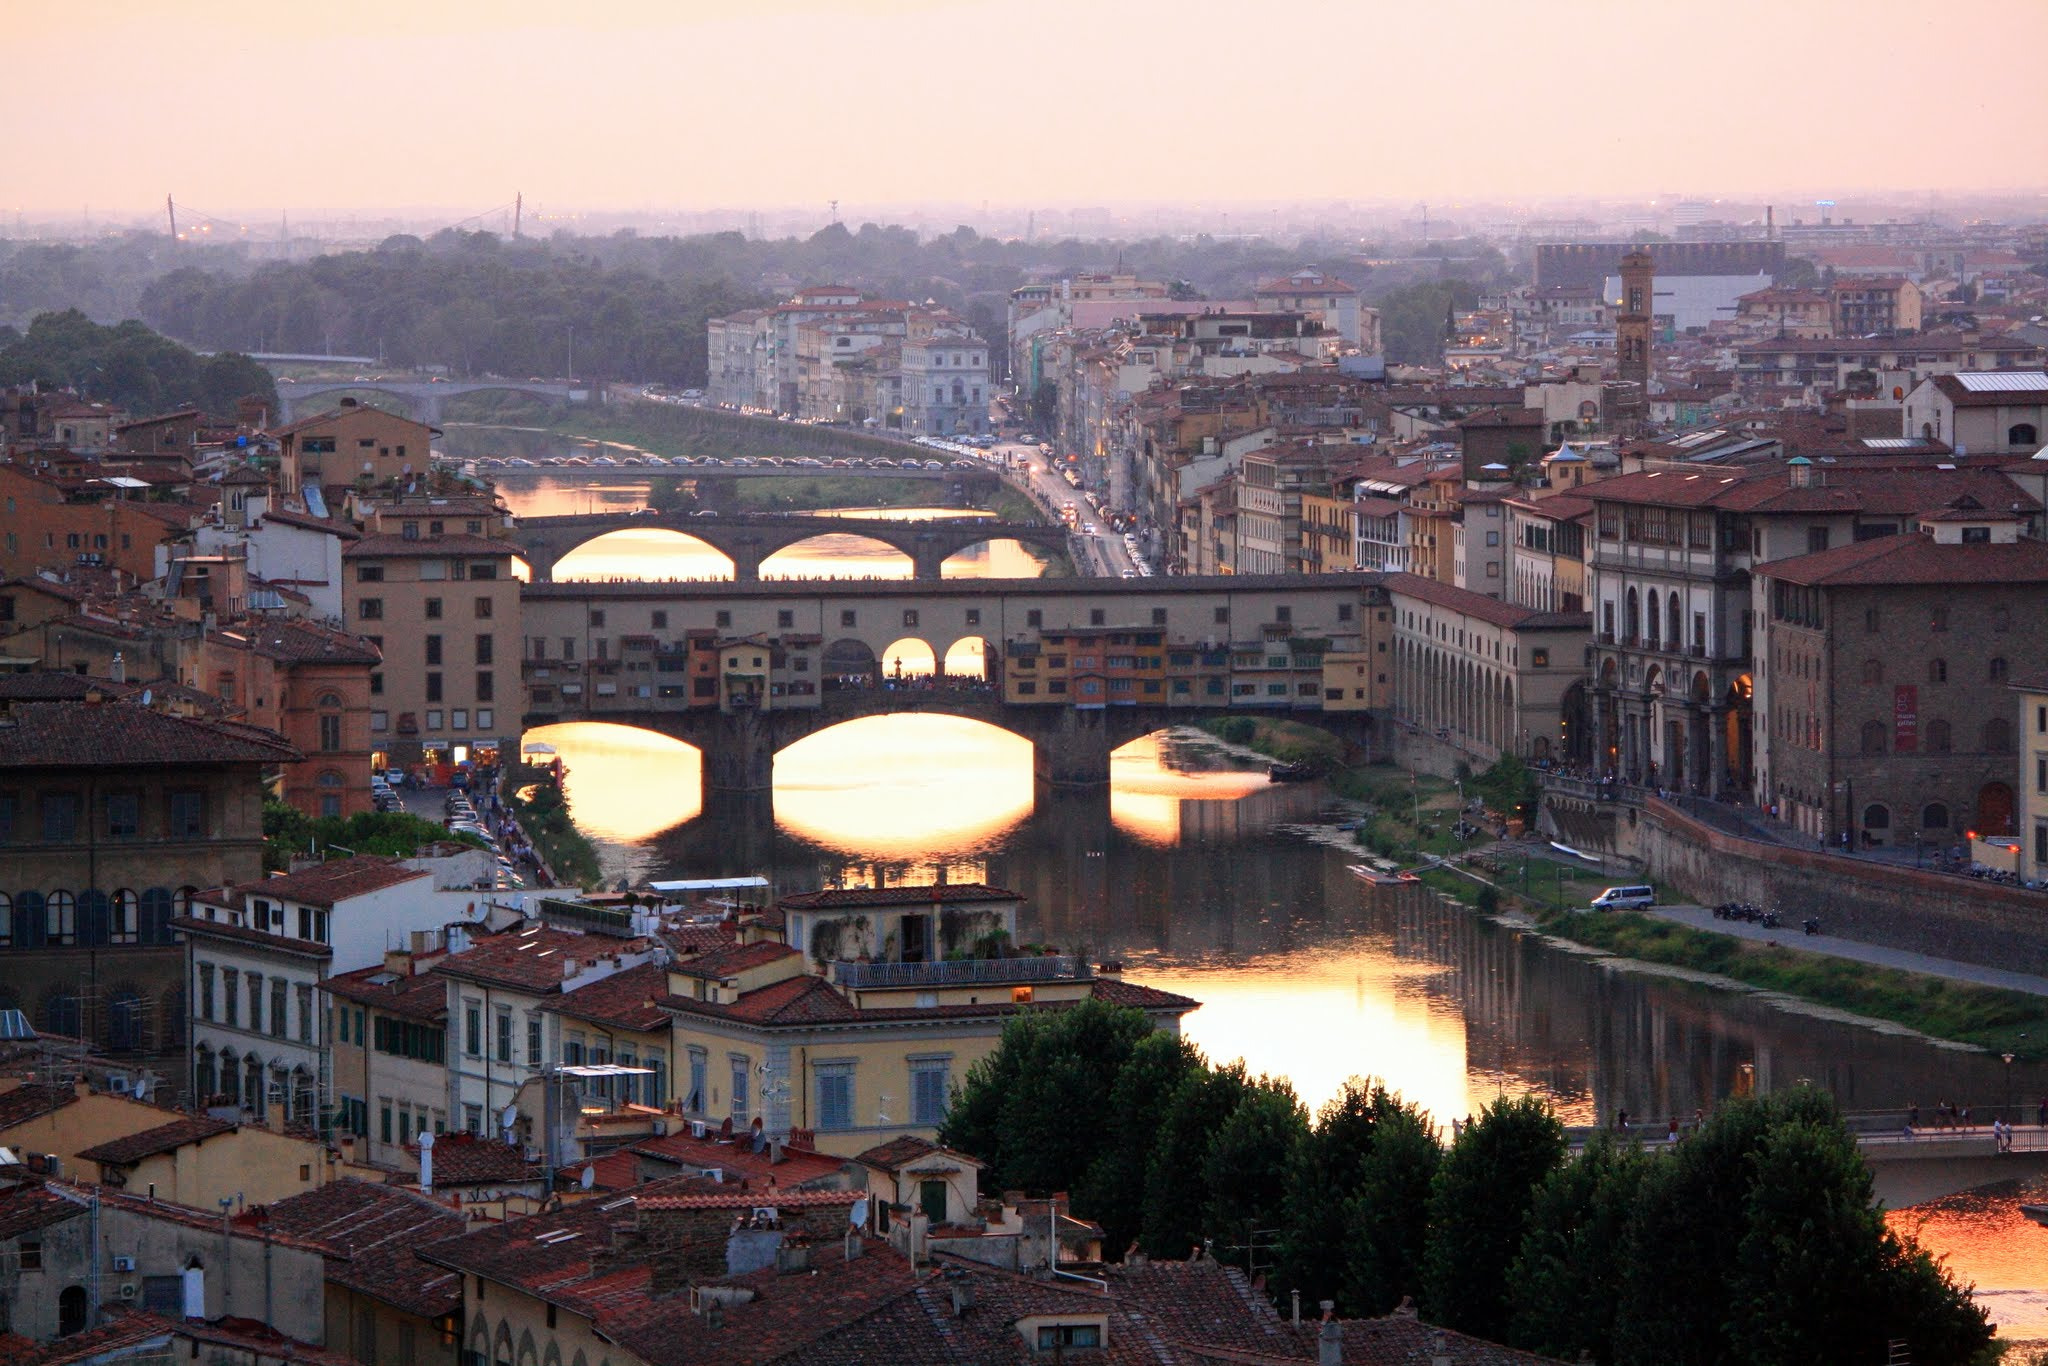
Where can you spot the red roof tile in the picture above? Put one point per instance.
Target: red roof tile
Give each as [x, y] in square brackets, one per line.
[622, 1000]
[531, 959]
[117, 735]
[1913, 558]
[30, 1099]
[419, 996]
[325, 884]
[164, 1138]
[733, 961]
[899, 1153]
[372, 1234]
[473, 1160]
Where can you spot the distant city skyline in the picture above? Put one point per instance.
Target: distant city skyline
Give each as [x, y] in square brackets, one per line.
[687, 106]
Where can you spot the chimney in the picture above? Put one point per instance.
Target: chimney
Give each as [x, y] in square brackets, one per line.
[963, 1299]
[426, 1161]
[1329, 1338]
[119, 671]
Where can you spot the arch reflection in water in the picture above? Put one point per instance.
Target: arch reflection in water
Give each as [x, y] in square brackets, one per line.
[1151, 795]
[624, 783]
[904, 787]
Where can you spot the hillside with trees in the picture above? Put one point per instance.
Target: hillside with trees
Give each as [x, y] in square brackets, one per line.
[130, 366]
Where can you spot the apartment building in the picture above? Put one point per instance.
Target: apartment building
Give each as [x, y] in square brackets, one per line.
[351, 446]
[946, 383]
[444, 612]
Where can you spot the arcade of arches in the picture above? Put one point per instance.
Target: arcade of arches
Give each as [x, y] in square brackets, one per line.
[1673, 731]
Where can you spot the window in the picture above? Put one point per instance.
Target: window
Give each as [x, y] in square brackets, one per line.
[485, 718]
[433, 609]
[205, 991]
[188, 815]
[125, 909]
[433, 687]
[1057, 1336]
[60, 817]
[1997, 736]
[533, 1038]
[597, 616]
[254, 982]
[472, 1029]
[124, 815]
[699, 1064]
[305, 994]
[485, 648]
[930, 1082]
[1870, 620]
[487, 569]
[1873, 737]
[910, 617]
[433, 647]
[848, 619]
[434, 720]
[835, 1095]
[721, 618]
[739, 1089]
[1034, 617]
[1934, 816]
[1816, 539]
[1976, 535]
[230, 1003]
[486, 687]
[1999, 669]
[278, 993]
[61, 923]
[1937, 619]
[377, 687]
[370, 609]
[1938, 738]
[1937, 670]
[504, 1034]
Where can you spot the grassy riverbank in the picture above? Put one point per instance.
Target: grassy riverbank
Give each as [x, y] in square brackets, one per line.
[543, 811]
[2000, 1021]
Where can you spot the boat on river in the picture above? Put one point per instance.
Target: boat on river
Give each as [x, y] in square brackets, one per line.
[1380, 879]
[1293, 773]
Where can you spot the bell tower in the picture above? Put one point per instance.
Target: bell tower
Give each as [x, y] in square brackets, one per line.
[1632, 342]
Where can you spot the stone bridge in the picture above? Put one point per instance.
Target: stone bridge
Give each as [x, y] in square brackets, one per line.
[748, 540]
[423, 398]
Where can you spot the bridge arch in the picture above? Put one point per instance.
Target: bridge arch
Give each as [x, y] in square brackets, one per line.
[909, 657]
[971, 657]
[897, 562]
[612, 555]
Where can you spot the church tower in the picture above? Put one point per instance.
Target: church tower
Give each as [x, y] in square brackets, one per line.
[1632, 343]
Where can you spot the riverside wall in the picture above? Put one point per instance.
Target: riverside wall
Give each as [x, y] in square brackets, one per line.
[1899, 908]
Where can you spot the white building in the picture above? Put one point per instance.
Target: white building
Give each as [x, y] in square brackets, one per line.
[255, 958]
[946, 384]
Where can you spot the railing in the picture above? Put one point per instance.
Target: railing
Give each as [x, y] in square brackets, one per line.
[1592, 789]
[962, 972]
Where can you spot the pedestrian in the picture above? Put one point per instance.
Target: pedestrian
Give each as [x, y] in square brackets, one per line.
[1621, 1120]
[1912, 1117]
[2042, 1114]
[1671, 1136]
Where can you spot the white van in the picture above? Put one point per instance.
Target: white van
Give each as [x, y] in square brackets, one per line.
[1625, 899]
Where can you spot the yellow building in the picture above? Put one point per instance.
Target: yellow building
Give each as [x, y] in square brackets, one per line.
[2033, 778]
[352, 446]
[857, 1029]
[188, 1159]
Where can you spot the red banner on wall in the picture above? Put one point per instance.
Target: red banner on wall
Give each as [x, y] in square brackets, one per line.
[1906, 718]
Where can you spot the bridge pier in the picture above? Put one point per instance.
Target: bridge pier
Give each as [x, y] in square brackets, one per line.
[928, 562]
[739, 754]
[1073, 749]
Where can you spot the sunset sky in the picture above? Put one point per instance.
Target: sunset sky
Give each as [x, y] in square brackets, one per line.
[310, 104]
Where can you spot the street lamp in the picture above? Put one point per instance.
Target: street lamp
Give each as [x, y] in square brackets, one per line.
[2008, 1087]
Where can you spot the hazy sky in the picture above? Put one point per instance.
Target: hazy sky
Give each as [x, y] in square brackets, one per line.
[310, 104]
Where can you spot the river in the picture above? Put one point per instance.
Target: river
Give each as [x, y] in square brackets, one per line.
[1204, 878]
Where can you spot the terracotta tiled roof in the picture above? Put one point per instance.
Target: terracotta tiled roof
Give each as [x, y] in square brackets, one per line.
[1486, 609]
[48, 685]
[164, 1138]
[325, 884]
[530, 959]
[737, 1158]
[1401, 1339]
[690, 940]
[30, 1099]
[742, 1198]
[396, 547]
[733, 961]
[372, 1233]
[899, 1153]
[920, 894]
[420, 996]
[305, 948]
[809, 1000]
[114, 735]
[30, 1206]
[292, 517]
[1913, 558]
[301, 642]
[1960, 396]
[473, 1160]
[622, 1000]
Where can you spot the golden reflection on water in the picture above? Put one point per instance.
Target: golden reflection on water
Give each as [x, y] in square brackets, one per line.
[1145, 795]
[624, 783]
[904, 787]
[1986, 1240]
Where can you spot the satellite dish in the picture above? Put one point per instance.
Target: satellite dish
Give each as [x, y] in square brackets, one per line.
[141, 1088]
[146, 694]
[857, 1213]
[510, 1117]
[589, 1177]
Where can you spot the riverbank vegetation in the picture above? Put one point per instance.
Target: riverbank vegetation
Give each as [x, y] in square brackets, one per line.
[1287, 742]
[1754, 1240]
[130, 367]
[2001, 1021]
[290, 833]
[542, 808]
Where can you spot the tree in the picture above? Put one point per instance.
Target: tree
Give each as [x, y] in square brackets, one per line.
[1035, 1108]
[1324, 1175]
[1176, 1193]
[1561, 1289]
[1478, 1210]
[1245, 1170]
[1388, 1214]
[1113, 1192]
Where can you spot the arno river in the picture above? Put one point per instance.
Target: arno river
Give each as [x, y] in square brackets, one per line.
[1204, 878]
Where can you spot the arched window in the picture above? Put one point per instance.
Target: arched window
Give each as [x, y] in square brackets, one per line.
[1938, 741]
[1674, 632]
[330, 723]
[1632, 617]
[1873, 737]
[127, 1020]
[252, 1083]
[31, 929]
[230, 1082]
[181, 904]
[1999, 669]
[1934, 816]
[6, 919]
[156, 915]
[125, 926]
[60, 1013]
[71, 1305]
[2021, 434]
[330, 783]
[62, 918]
[205, 1080]
[1877, 816]
[1998, 736]
[1937, 670]
[1873, 671]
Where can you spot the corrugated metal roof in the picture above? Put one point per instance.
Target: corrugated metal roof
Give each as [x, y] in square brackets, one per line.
[2003, 381]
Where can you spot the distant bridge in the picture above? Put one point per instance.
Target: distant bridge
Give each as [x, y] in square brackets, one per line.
[424, 398]
[748, 540]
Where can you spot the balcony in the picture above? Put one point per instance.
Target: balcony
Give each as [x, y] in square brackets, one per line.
[962, 972]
